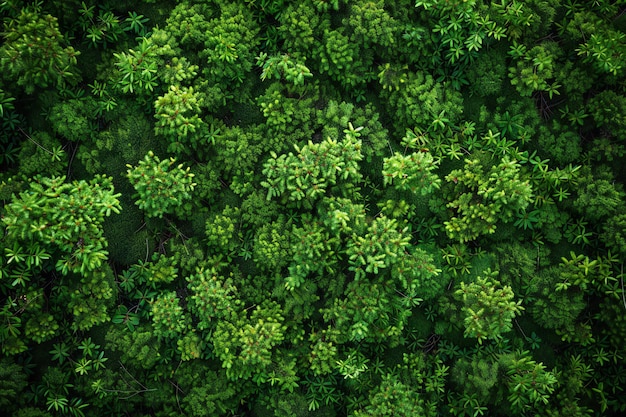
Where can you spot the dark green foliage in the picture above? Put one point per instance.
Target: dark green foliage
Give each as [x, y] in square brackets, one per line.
[215, 395]
[34, 54]
[41, 154]
[614, 235]
[336, 182]
[74, 119]
[476, 377]
[556, 308]
[487, 73]
[141, 347]
[13, 383]
[599, 196]
[607, 110]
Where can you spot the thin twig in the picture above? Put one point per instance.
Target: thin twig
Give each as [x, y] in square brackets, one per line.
[178, 389]
[622, 281]
[520, 328]
[34, 141]
[69, 165]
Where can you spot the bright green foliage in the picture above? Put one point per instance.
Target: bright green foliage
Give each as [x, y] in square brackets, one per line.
[393, 398]
[162, 187]
[379, 248]
[314, 251]
[221, 231]
[428, 375]
[418, 276]
[411, 172]
[372, 25]
[137, 69]
[286, 117]
[56, 215]
[42, 328]
[535, 69]
[178, 70]
[230, 45]
[323, 351]
[341, 59]
[415, 98]
[284, 66]
[321, 266]
[187, 24]
[337, 116]
[237, 152]
[190, 346]
[342, 216]
[300, 24]
[168, 318]
[366, 313]
[33, 54]
[461, 29]
[484, 197]
[104, 28]
[272, 247]
[178, 120]
[314, 168]
[160, 271]
[213, 298]
[488, 307]
[56, 225]
[353, 366]
[246, 345]
[90, 299]
[606, 50]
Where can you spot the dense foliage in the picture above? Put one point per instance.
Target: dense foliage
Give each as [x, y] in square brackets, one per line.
[312, 208]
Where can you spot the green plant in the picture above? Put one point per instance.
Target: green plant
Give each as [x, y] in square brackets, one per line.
[33, 53]
[488, 308]
[137, 69]
[305, 176]
[161, 186]
[282, 67]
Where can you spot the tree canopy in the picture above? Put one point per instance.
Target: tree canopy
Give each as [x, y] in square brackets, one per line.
[312, 208]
